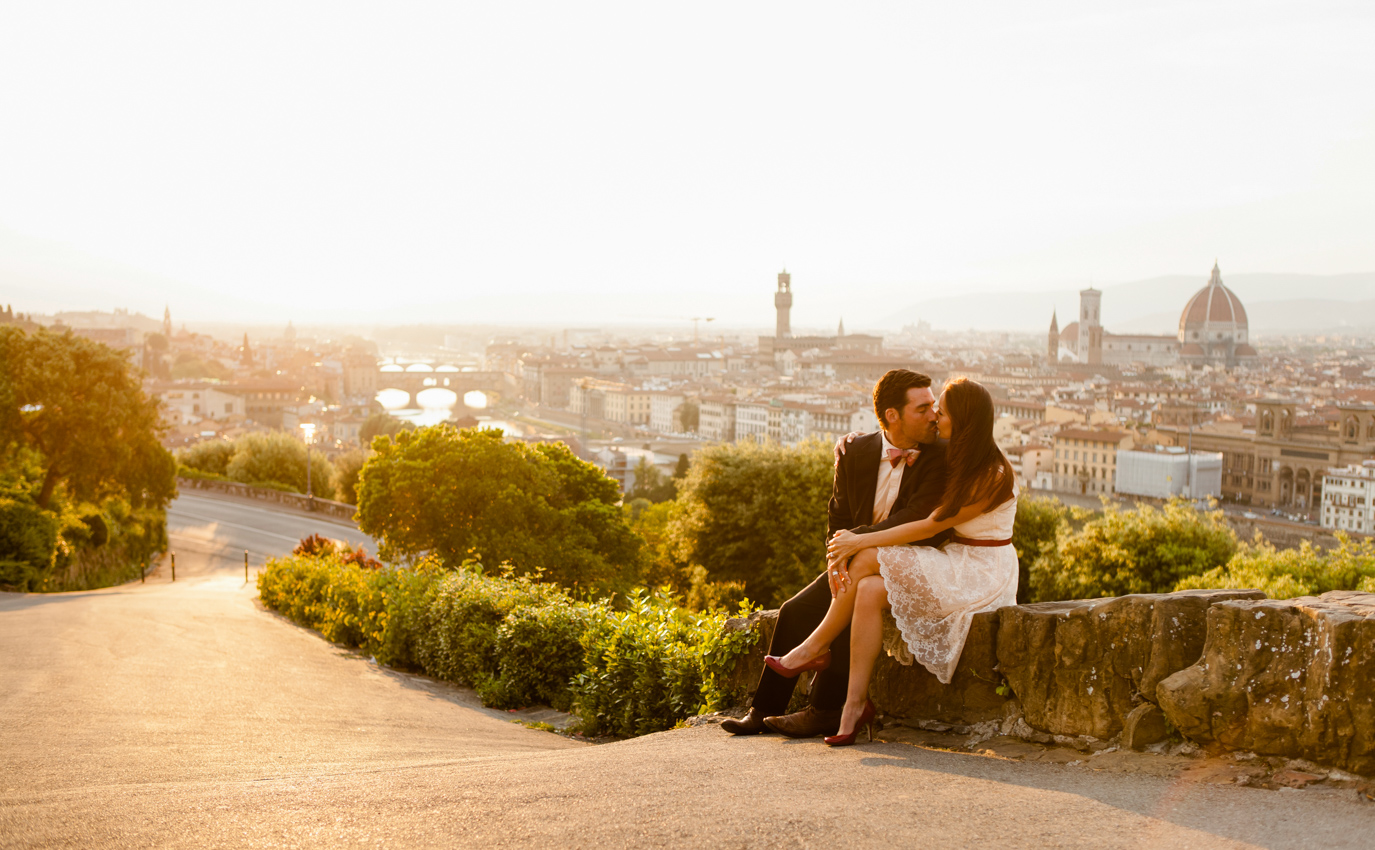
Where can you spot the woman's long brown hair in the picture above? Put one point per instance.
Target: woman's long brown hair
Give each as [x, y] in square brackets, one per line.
[973, 461]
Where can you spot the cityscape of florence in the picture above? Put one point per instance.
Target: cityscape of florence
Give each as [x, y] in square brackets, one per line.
[613, 426]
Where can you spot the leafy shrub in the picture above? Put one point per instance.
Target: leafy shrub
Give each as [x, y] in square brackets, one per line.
[1037, 526]
[315, 544]
[1287, 573]
[276, 459]
[659, 565]
[347, 470]
[652, 665]
[408, 595]
[518, 641]
[1144, 550]
[211, 456]
[360, 558]
[28, 542]
[295, 586]
[97, 527]
[200, 474]
[106, 545]
[458, 640]
[538, 652]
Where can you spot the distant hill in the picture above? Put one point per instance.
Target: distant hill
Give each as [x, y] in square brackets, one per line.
[1274, 302]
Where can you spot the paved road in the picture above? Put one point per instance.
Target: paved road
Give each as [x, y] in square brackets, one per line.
[184, 715]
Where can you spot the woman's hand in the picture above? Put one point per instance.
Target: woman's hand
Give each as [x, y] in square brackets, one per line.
[845, 441]
[843, 547]
[838, 576]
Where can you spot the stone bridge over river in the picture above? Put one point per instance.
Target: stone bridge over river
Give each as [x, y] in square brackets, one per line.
[415, 378]
[184, 714]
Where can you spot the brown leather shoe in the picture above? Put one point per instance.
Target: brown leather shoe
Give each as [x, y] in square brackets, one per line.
[807, 723]
[750, 724]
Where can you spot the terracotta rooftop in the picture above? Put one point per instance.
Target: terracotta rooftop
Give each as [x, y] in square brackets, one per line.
[1213, 304]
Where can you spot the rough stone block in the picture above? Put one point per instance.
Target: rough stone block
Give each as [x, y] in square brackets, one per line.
[1293, 678]
[1145, 725]
[744, 676]
[1080, 667]
[898, 691]
[971, 697]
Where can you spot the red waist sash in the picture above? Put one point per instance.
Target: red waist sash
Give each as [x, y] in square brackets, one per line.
[974, 541]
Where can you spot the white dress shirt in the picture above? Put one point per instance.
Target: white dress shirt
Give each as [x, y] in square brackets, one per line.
[889, 482]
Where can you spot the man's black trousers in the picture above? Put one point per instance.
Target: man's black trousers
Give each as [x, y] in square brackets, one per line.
[797, 618]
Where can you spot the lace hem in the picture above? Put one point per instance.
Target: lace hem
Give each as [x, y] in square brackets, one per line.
[934, 595]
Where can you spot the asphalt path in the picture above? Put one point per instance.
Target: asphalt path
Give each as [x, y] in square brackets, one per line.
[182, 714]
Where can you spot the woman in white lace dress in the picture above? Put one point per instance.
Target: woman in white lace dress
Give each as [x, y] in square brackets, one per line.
[934, 593]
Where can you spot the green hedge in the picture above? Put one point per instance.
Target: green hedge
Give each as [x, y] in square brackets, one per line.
[518, 641]
[74, 546]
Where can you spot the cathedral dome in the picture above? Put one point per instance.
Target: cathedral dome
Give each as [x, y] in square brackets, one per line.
[1214, 315]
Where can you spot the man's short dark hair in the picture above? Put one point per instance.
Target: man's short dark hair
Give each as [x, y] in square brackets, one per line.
[890, 393]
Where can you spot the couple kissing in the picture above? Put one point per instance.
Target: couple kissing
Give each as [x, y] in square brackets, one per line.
[920, 523]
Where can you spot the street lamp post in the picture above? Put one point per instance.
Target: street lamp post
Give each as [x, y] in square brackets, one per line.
[309, 429]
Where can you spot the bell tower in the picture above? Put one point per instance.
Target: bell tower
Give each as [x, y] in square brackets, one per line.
[783, 302]
[1090, 326]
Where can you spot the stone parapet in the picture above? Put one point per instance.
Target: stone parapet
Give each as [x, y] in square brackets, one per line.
[1228, 669]
[1292, 677]
[744, 676]
[914, 693]
[292, 501]
[1080, 667]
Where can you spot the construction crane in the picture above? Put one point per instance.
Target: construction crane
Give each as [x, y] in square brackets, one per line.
[695, 320]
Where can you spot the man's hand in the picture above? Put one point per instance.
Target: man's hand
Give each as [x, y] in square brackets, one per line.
[845, 441]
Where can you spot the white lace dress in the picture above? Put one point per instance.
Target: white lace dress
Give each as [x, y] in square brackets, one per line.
[935, 593]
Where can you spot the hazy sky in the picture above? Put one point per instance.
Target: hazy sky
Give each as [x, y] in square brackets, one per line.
[643, 161]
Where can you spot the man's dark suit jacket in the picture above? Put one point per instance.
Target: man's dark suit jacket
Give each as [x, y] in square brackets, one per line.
[851, 507]
[856, 478]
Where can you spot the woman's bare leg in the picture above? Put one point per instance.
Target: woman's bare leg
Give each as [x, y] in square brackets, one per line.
[866, 639]
[837, 617]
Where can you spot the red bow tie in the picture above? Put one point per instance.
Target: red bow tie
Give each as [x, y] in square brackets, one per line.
[896, 456]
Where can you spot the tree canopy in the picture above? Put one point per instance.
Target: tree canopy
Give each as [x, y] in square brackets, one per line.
[463, 494]
[651, 483]
[84, 481]
[381, 423]
[755, 514]
[1286, 573]
[275, 457]
[81, 407]
[1143, 550]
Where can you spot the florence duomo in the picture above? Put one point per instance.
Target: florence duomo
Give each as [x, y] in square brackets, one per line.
[1213, 331]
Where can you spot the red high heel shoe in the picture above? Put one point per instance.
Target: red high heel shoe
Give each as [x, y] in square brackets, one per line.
[821, 662]
[866, 719]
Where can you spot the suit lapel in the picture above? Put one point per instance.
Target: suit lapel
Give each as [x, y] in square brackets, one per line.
[864, 480]
[911, 476]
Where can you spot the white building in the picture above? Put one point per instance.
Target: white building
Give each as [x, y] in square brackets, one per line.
[716, 419]
[1170, 471]
[191, 402]
[1348, 498]
[794, 423]
[665, 409]
[751, 420]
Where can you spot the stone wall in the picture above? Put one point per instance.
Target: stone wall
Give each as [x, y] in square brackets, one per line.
[1292, 677]
[1228, 669]
[292, 501]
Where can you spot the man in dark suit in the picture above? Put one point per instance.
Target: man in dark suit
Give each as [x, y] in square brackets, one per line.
[890, 477]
